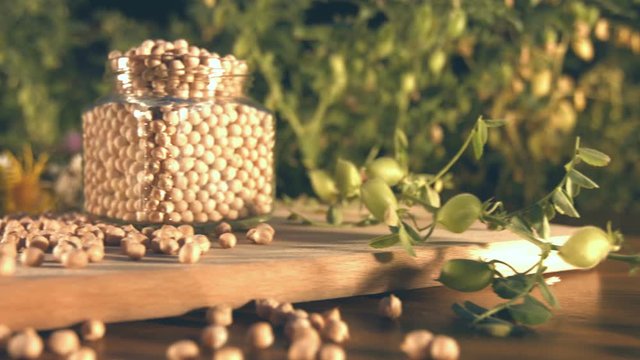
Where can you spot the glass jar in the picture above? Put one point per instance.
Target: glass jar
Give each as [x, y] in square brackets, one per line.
[178, 142]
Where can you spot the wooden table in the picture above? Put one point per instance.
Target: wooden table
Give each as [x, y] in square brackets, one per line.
[598, 319]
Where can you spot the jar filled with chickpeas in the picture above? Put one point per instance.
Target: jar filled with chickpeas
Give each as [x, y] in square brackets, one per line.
[178, 141]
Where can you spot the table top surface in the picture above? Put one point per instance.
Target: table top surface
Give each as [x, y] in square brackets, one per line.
[597, 319]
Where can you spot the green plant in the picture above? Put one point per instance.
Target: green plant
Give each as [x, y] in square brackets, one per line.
[397, 206]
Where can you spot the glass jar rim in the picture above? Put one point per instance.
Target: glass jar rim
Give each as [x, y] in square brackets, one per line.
[213, 64]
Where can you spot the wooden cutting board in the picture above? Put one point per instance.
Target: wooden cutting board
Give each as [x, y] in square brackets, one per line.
[303, 263]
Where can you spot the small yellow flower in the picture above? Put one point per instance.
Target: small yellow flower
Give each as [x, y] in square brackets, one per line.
[20, 187]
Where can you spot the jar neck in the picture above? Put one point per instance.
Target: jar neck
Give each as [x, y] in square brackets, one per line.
[183, 77]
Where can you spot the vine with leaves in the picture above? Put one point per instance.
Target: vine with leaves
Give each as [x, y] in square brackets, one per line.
[393, 196]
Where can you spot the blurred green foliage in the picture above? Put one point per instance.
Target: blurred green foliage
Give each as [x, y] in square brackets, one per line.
[342, 75]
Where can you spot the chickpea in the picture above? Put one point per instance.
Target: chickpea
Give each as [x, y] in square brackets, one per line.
[189, 253]
[92, 330]
[220, 315]
[227, 240]
[415, 344]
[260, 335]
[63, 342]
[135, 250]
[390, 307]
[7, 265]
[214, 336]
[443, 347]
[74, 259]
[228, 353]
[336, 331]
[331, 352]
[183, 350]
[25, 345]
[32, 256]
[83, 353]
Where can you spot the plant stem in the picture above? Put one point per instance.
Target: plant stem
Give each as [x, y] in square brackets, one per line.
[455, 158]
[512, 301]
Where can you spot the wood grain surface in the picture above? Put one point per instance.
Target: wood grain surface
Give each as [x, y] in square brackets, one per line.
[303, 264]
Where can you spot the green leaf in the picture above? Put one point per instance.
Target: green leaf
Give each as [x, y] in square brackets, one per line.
[495, 123]
[474, 308]
[582, 180]
[518, 226]
[593, 157]
[483, 133]
[512, 286]
[384, 241]
[530, 312]
[463, 312]
[432, 197]
[415, 236]
[563, 204]
[545, 230]
[546, 292]
[569, 187]
[405, 240]
[477, 145]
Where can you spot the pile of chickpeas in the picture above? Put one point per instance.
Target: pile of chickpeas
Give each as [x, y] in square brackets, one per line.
[75, 241]
[153, 158]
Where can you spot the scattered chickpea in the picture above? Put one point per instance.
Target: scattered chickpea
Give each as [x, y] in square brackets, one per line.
[264, 307]
[332, 314]
[8, 249]
[260, 335]
[25, 345]
[186, 230]
[266, 227]
[305, 333]
[189, 253]
[92, 330]
[169, 246]
[390, 307]
[203, 242]
[443, 347]
[228, 353]
[415, 344]
[305, 349]
[63, 342]
[227, 240]
[296, 325]
[5, 334]
[74, 259]
[135, 250]
[261, 235]
[183, 350]
[223, 228]
[279, 315]
[317, 321]
[214, 336]
[32, 256]
[60, 249]
[7, 265]
[336, 331]
[83, 353]
[95, 253]
[220, 315]
[331, 352]
[38, 241]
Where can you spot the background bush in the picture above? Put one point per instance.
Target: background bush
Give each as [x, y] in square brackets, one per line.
[342, 75]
